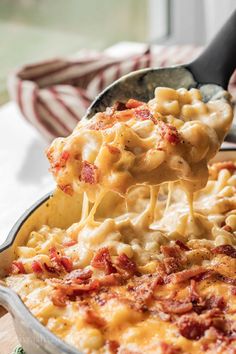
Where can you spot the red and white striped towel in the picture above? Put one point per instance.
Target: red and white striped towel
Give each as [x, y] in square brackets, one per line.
[53, 95]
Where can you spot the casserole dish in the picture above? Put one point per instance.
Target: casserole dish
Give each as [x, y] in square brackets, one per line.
[57, 210]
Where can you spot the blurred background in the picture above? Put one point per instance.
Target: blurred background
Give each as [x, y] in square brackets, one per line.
[31, 30]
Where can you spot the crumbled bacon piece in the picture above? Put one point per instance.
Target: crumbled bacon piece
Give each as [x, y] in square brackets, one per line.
[182, 245]
[66, 188]
[17, 267]
[89, 173]
[67, 263]
[169, 133]
[205, 275]
[37, 267]
[169, 348]
[174, 258]
[186, 274]
[112, 149]
[228, 250]
[112, 346]
[132, 103]
[171, 264]
[54, 256]
[58, 298]
[74, 288]
[92, 318]
[70, 243]
[59, 262]
[125, 263]
[143, 289]
[79, 274]
[60, 162]
[102, 260]
[171, 251]
[144, 114]
[225, 279]
[191, 327]
[193, 294]
[51, 269]
[176, 307]
[215, 302]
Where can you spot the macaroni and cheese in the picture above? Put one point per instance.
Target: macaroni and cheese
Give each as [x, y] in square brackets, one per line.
[151, 266]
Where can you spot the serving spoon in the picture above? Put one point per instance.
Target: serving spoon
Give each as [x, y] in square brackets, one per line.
[210, 72]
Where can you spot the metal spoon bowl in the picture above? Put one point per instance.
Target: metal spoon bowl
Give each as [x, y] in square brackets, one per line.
[210, 72]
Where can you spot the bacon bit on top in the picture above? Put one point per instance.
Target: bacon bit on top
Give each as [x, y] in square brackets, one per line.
[60, 262]
[17, 267]
[51, 269]
[171, 251]
[125, 263]
[92, 318]
[186, 274]
[37, 267]
[79, 274]
[143, 289]
[66, 262]
[60, 162]
[66, 188]
[144, 114]
[228, 250]
[169, 133]
[72, 288]
[132, 103]
[54, 255]
[113, 149]
[225, 279]
[173, 258]
[70, 243]
[192, 327]
[214, 301]
[89, 173]
[182, 245]
[176, 307]
[102, 260]
[112, 346]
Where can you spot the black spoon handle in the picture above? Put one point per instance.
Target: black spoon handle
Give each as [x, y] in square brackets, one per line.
[218, 61]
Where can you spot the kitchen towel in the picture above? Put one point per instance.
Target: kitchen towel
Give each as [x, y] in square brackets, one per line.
[53, 95]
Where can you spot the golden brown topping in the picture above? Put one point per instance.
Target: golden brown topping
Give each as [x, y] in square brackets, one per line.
[89, 173]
